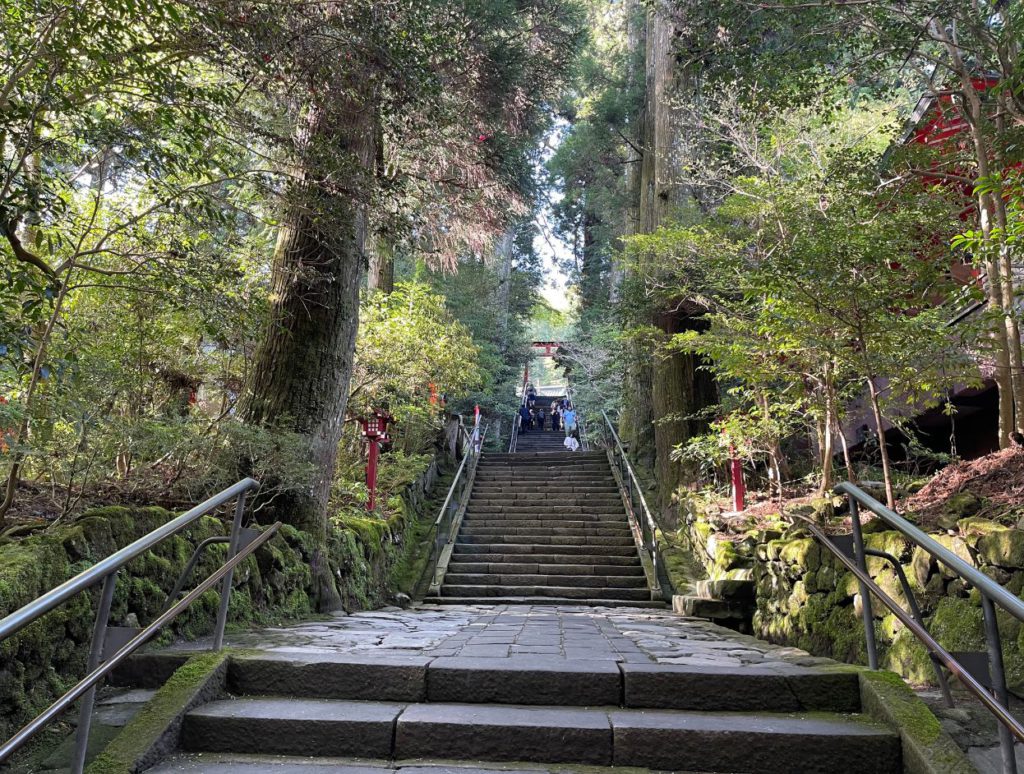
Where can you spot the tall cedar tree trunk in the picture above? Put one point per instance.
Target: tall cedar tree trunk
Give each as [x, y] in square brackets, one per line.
[380, 272]
[679, 387]
[300, 376]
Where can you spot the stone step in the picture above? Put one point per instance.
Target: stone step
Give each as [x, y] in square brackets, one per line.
[549, 540]
[662, 739]
[576, 522]
[228, 763]
[523, 579]
[534, 549]
[610, 531]
[563, 592]
[544, 601]
[544, 500]
[712, 609]
[522, 457]
[458, 566]
[553, 461]
[516, 490]
[493, 507]
[518, 459]
[516, 478]
[623, 559]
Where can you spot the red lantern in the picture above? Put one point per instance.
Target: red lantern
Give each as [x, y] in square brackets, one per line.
[375, 431]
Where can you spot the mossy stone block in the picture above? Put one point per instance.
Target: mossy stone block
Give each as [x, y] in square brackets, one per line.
[1003, 548]
[804, 553]
[959, 506]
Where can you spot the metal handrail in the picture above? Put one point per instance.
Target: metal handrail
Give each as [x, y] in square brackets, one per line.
[106, 571]
[442, 532]
[648, 524]
[995, 700]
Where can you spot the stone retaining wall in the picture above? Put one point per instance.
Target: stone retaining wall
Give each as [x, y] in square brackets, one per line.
[274, 584]
[805, 598]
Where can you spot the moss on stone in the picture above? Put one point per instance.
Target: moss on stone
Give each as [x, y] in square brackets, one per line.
[144, 733]
[927, 749]
[1003, 548]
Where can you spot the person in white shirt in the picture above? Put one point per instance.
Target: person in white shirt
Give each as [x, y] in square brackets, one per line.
[571, 443]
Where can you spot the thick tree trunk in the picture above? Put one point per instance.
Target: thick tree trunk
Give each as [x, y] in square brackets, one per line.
[501, 263]
[679, 387]
[300, 375]
[380, 274]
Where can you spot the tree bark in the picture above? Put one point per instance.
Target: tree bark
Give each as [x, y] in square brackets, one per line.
[380, 275]
[883, 449]
[301, 371]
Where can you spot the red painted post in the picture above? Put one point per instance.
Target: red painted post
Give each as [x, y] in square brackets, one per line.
[371, 474]
[375, 431]
[739, 489]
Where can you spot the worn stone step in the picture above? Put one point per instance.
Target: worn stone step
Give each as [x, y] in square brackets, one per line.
[564, 592]
[575, 522]
[725, 589]
[746, 689]
[527, 458]
[535, 549]
[499, 508]
[667, 740]
[713, 609]
[550, 540]
[292, 726]
[545, 478]
[610, 531]
[328, 676]
[762, 743]
[542, 504]
[546, 519]
[533, 679]
[459, 566]
[625, 559]
[553, 462]
[515, 489]
[545, 601]
[540, 517]
[532, 580]
[236, 763]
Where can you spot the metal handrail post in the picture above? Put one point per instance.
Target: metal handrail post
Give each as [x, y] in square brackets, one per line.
[225, 589]
[25, 615]
[915, 613]
[99, 637]
[998, 677]
[865, 596]
[140, 639]
[971, 683]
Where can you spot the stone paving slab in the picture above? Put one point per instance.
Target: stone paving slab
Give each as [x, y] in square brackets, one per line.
[619, 634]
[219, 763]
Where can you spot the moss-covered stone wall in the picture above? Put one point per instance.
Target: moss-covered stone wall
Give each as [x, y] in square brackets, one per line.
[806, 598]
[46, 658]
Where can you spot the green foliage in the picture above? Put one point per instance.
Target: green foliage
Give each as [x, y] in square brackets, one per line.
[815, 284]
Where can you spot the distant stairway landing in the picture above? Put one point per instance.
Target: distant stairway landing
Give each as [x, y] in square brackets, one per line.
[545, 528]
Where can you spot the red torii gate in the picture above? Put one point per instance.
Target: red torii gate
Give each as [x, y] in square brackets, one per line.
[549, 347]
[541, 349]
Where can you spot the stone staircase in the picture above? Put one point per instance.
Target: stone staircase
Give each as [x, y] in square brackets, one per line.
[449, 714]
[545, 528]
[546, 440]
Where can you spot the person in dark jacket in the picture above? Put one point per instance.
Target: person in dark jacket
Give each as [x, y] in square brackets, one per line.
[524, 419]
